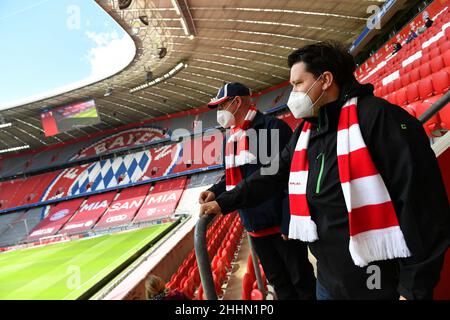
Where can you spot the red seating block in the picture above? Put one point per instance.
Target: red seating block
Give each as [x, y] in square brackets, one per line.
[426, 88]
[397, 84]
[446, 58]
[412, 92]
[401, 97]
[256, 295]
[424, 70]
[437, 64]
[435, 52]
[444, 114]
[405, 80]
[247, 284]
[432, 126]
[414, 75]
[441, 81]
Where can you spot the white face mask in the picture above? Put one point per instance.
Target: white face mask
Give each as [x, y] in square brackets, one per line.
[301, 104]
[225, 118]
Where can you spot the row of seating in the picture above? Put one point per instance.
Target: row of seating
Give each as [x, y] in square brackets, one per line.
[250, 290]
[223, 236]
[416, 84]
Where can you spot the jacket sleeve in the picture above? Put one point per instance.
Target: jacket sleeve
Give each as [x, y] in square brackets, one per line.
[219, 187]
[405, 160]
[262, 184]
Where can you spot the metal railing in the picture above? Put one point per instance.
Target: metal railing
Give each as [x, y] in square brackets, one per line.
[435, 108]
[204, 263]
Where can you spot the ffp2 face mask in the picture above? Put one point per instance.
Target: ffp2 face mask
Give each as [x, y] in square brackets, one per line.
[301, 104]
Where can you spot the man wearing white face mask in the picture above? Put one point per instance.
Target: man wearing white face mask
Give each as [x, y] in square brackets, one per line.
[285, 263]
[365, 189]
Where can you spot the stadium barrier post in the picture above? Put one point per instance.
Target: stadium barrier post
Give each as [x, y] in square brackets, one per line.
[255, 260]
[201, 254]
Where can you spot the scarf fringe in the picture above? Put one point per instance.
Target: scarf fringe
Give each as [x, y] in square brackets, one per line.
[303, 228]
[375, 245]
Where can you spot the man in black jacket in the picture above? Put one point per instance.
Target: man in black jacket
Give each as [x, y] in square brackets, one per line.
[285, 263]
[323, 75]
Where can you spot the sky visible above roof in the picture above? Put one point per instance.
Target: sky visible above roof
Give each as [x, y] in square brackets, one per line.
[53, 46]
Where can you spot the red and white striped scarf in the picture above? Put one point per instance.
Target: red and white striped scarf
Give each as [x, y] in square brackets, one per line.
[375, 233]
[236, 158]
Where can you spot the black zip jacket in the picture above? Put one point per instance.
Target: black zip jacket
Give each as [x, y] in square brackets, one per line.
[274, 211]
[402, 154]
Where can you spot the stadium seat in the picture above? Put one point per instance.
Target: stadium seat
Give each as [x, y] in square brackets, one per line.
[391, 97]
[446, 58]
[425, 88]
[414, 75]
[401, 97]
[446, 45]
[412, 92]
[405, 80]
[390, 87]
[435, 52]
[437, 64]
[247, 285]
[416, 63]
[441, 81]
[444, 114]
[256, 295]
[408, 68]
[397, 84]
[432, 126]
[424, 70]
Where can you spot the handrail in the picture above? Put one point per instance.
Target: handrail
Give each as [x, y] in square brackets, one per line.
[202, 256]
[435, 108]
[256, 267]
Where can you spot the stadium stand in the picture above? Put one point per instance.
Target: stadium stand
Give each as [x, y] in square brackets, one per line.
[162, 179]
[90, 211]
[418, 75]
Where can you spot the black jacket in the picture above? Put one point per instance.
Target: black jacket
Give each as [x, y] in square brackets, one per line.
[402, 154]
[275, 210]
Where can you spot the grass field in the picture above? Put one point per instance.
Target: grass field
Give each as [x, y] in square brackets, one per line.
[90, 113]
[67, 270]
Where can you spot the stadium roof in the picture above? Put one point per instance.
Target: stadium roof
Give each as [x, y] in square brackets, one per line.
[246, 41]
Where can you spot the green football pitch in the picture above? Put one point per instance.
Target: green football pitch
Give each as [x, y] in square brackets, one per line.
[67, 270]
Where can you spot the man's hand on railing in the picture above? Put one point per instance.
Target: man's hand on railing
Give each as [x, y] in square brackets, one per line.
[211, 207]
[206, 196]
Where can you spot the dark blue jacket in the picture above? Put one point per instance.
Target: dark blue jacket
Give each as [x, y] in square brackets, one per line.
[275, 210]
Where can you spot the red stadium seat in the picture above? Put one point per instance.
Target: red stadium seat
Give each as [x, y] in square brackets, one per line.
[247, 284]
[446, 58]
[432, 126]
[405, 80]
[390, 87]
[397, 84]
[426, 88]
[256, 295]
[435, 52]
[411, 108]
[414, 75]
[437, 64]
[441, 81]
[424, 70]
[446, 45]
[391, 97]
[401, 97]
[412, 92]
[408, 67]
[444, 113]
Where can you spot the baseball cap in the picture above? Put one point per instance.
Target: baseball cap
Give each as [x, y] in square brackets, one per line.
[229, 90]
